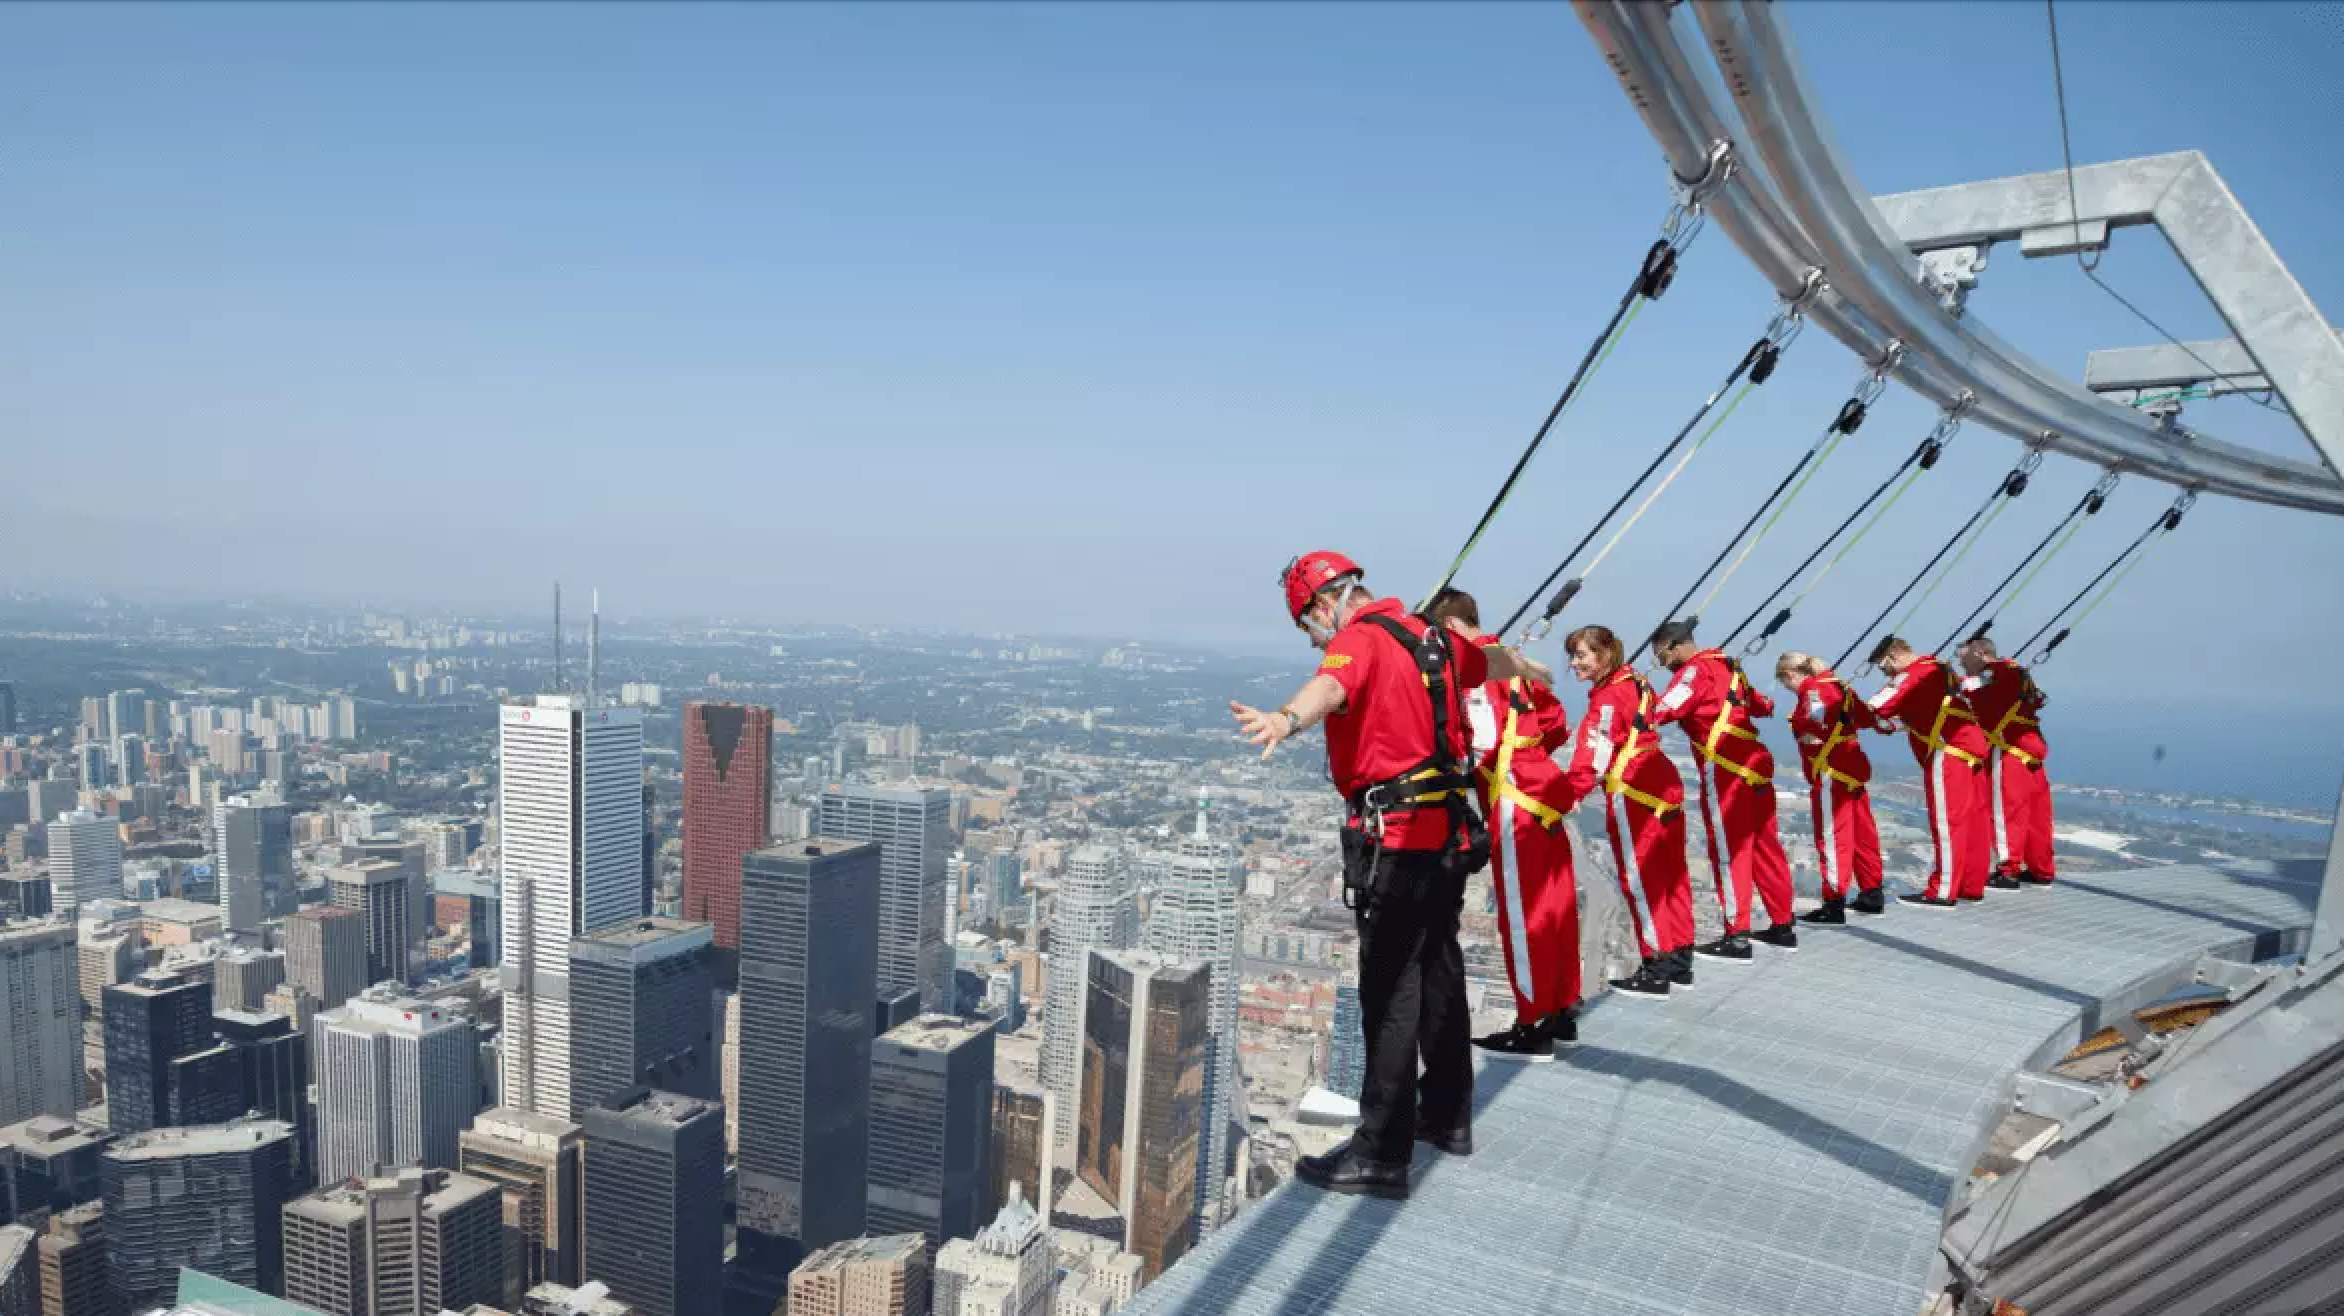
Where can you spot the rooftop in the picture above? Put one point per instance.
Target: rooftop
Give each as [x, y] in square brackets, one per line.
[671, 1109]
[1785, 1138]
[890, 1247]
[811, 847]
[937, 1032]
[48, 1135]
[200, 1140]
[631, 938]
[171, 909]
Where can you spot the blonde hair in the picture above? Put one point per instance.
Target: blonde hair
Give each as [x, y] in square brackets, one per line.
[1793, 666]
[1601, 642]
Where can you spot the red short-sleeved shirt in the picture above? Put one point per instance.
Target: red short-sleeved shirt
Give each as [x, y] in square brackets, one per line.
[1385, 726]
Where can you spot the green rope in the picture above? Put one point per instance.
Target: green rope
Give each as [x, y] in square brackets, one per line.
[2110, 587]
[2040, 563]
[1980, 533]
[1861, 531]
[1829, 447]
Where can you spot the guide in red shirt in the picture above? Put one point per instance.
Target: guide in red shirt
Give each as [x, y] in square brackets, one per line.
[2009, 706]
[1515, 723]
[1391, 690]
[1716, 704]
[1921, 697]
[1826, 716]
[1617, 752]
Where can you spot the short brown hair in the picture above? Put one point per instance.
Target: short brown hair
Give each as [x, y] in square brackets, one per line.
[1981, 646]
[1601, 642]
[1453, 604]
[1889, 644]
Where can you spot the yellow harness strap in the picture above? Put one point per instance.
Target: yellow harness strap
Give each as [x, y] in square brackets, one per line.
[1935, 740]
[1722, 728]
[1615, 780]
[1820, 765]
[1999, 734]
[1500, 781]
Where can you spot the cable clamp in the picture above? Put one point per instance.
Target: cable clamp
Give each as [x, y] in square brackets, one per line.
[1691, 196]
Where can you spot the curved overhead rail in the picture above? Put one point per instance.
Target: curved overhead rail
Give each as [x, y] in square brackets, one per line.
[1790, 206]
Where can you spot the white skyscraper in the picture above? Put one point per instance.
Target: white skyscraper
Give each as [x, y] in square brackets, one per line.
[397, 1079]
[1093, 912]
[1195, 917]
[913, 826]
[40, 997]
[570, 836]
[85, 860]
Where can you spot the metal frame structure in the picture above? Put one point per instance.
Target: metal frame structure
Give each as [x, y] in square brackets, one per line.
[1890, 278]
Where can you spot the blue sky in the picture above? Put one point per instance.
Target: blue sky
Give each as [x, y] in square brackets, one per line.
[1054, 317]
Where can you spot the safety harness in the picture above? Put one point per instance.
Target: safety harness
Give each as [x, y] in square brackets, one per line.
[1499, 777]
[1949, 709]
[1737, 699]
[2017, 716]
[1843, 731]
[1442, 777]
[1642, 740]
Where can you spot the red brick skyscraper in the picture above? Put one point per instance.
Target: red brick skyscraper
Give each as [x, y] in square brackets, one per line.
[728, 810]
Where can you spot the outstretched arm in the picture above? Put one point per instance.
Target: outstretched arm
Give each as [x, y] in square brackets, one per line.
[1319, 696]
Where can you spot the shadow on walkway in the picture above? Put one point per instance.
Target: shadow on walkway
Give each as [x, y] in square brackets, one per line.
[1892, 1168]
[2257, 927]
[2041, 987]
[1360, 1227]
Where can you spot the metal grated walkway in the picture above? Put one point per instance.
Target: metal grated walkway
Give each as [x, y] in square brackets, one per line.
[1784, 1138]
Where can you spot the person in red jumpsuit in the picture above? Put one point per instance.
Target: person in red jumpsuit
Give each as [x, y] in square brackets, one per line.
[1716, 705]
[1923, 697]
[1390, 688]
[2009, 706]
[1617, 752]
[1515, 726]
[1826, 716]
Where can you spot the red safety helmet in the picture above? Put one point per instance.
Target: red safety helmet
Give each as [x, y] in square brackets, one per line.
[1305, 576]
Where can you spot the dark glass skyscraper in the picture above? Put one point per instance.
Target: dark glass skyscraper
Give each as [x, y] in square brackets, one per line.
[728, 811]
[809, 959]
[931, 1129]
[275, 1076]
[655, 1201]
[1145, 1038]
[642, 999]
[150, 1025]
[209, 1198]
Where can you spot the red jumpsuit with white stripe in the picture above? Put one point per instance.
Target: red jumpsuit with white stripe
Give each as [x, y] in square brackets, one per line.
[1715, 702]
[1515, 725]
[1618, 752]
[1952, 753]
[2008, 705]
[1825, 716]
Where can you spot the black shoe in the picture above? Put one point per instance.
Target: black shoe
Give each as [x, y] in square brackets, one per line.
[1679, 971]
[1926, 902]
[1458, 1142]
[1973, 900]
[2003, 882]
[1529, 1042]
[1830, 911]
[1727, 947]
[1873, 901]
[1782, 936]
[1562, 1029]
[1344, 1170]
[2033, 879]
[1646, 983]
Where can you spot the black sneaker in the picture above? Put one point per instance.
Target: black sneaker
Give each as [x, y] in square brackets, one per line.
[1973, 900]
[1679, 971]
[1873, 901]
[1456, 1142]
[2003, 882]
[1830, 911]
[1562, 1029]
[2031, 878]
[1782, 936]
[1344, 1170]
[1521, 1042]
[1926, 902]
[1644, 984]
[1727, 947]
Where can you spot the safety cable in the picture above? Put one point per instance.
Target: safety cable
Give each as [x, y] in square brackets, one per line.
[1921, 459]
[1755, 367]
[1848, 420]
[2010, 486]
[2087, 506]
[1653, 277]
[2166, 523]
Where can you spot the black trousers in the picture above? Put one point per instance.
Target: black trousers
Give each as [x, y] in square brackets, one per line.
[1412, 1002]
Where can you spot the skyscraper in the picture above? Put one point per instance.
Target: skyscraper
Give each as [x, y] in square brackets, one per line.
[1021, 1134]
[1346, 1044]
[1093, 912]
[728, 811]
[1195, 918]
[151, 1024]
[20, 1272]
[397, 1081]
[40, 1000]
[912, 825]
[85, 859]
[570, 837]
[73, 1264]
[885, 1276]
[48, 1162]
[931, 1128]
[645, 1016]
[209, 1198]
[326, 953]
[1145, 1052]
[809, 953]
[7, 709]
[1007, 1268]
[1005, 881]
[274, 1067]
[252, 853]
[535, 1162]
[378, 889]
[125, 713]
[655, 1201]
[411, 1244]
[243, 977]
